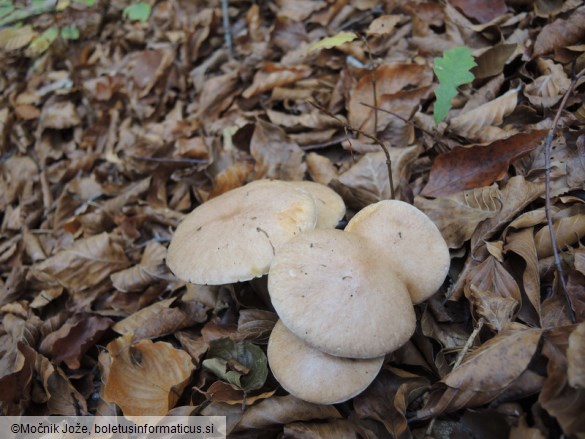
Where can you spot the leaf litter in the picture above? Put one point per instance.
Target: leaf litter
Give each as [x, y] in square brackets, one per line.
[108, 139]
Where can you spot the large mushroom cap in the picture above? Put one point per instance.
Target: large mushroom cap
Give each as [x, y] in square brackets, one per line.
[313, 376]
[411, 243]
[330, 206]
[234, 236]
[331, 290]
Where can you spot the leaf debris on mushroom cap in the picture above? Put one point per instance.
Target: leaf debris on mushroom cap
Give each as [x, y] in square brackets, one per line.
[234, 236]
[411, 242]
[314, 376]
[331, 289]
[330, 206]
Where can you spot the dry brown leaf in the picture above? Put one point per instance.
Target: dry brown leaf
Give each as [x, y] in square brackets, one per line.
[283, 410]
[522, 243]
[335, 429]
[276, 157]
[388, 397]
[568, 229]
[366, 182]
[88, 262]
[255, 324]
[558, 397]
[576, 357]
[390, 79]
[479, 123]
[481, 378]
[194, 345]
[481, 11]
[220, 391]
[59, 115]
[146, 379]
[57, 391]
[458, 215]
[492, 61]
[14, 38]
[560, 33]
[156, 320]
[17, 365]
[274, 75]
[320, 168]
[152, 268]
[494, 292]
[72, 340]
[548, 89]
[383, 25]
[468, 168]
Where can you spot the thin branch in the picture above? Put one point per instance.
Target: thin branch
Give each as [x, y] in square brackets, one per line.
[227, 30]
[349, 128]
[548, 207]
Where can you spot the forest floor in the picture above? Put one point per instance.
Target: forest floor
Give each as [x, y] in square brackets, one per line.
[116, 122]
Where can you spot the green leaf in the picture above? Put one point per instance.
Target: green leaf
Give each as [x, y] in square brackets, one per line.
[138, 11]
[70, 32]
[452, 70]
[41, 43]
[334, 41]
[86, 2]
[5, 8]
[225, 355]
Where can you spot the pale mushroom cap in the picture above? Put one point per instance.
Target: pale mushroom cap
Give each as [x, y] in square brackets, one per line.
[314, 376]
[330, 289]
[234, 236]
[411, 242]
[330, 206]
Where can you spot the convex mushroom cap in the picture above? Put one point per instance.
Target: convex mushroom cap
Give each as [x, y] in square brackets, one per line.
[234, 236]
[314, 376]
[409, 241]
[330, 206]
[332, 290]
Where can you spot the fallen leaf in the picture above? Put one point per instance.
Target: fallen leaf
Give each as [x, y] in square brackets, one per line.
[458, 215]
[146, 379]
[152, 268]
[274, 75]
[481, 11]
[560, 33]
[479, 123]
[468, 168]
[568, 229]
[576, 357]
[548, 89]
[72, 340]
[283, 410]
[88, 262]
[276, 157]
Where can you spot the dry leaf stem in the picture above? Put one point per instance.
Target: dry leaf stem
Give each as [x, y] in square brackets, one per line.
[349, 128]
[548, 207]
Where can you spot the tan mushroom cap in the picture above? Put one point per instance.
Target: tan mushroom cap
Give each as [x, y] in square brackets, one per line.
[330, 206]
[234, 236]
[330, 288]
[410, 241]
[314, 376]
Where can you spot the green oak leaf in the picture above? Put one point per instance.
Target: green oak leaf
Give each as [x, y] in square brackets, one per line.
[453, 70]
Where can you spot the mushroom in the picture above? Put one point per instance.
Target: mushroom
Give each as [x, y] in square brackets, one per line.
[332, 290]
[314, 376]
[234, 236]
[409, 241]
[330, 206]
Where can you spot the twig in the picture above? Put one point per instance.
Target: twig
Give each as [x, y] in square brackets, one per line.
[458, 361]
[227, 30]
[548, 208]
[349, 128]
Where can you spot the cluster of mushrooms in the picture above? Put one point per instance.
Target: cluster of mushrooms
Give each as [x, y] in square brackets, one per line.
[344, 297]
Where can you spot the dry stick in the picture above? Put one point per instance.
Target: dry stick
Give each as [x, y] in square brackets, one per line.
[226, 28]
[548, 207]
[458, 361]
[349, 128]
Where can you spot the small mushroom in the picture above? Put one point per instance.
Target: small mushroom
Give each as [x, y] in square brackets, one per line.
[234, 236]
[409, 241]
[332, 290]
[330, 206]
[314, 376]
